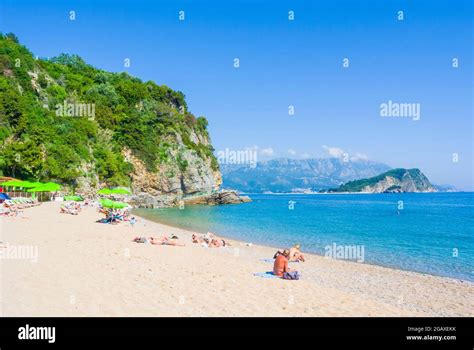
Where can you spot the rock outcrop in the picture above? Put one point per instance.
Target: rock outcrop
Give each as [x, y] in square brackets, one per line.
[171, 181]
[218, 198]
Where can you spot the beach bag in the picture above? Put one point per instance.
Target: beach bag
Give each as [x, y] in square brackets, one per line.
[292, 275]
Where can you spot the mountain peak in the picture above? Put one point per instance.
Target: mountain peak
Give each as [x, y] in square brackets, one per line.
[282, 175]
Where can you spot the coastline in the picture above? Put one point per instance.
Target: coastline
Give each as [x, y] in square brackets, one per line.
[323, 193]
[80, 261]
[307, 254]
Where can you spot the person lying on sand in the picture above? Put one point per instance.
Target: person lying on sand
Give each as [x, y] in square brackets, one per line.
[281, 269]
[8, 211]
[197, 238]
[64, 210]
[217, 243]
[209, 240]
[165, 240]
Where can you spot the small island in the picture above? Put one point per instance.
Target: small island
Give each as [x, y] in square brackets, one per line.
[392, 181]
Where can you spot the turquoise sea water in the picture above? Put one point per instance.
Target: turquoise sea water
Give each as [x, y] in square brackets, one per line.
[433, 232]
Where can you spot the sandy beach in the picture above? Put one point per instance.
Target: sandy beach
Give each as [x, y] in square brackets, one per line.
[88, 269]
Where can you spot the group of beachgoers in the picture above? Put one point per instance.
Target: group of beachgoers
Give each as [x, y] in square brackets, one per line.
[72, 208]
[116, 216]
[208, 240]
[282, 258]
[14, 206]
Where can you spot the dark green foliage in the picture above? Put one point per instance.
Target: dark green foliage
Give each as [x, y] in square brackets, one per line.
[38, 142]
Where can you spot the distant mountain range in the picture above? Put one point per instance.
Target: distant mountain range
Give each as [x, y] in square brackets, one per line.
[285, 175]
[392, 181]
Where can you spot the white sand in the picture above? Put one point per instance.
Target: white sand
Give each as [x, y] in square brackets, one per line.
[90, 269]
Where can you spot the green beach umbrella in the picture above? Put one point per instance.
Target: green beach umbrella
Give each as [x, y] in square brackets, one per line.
[47, 187]
[36, 184]
[107, 203]
[73, 198]
[12, 183]
[37, 189]
[17, 184]
[119, 191]
[28, 184]
[120, 205]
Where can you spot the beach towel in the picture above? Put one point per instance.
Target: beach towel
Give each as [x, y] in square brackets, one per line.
[292, 275]
[268, 274]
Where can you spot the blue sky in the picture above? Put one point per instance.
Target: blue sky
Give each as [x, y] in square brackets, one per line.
[285, 63]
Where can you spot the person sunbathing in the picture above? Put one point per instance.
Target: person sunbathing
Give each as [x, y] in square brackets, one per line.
[295, 254]
[102, 211]
[280, 266]
[209, 240]
[165, 240]
[206, 239]
[12, 209]
[8, 211]
[217, 243]
[65, 210]
[197, 239]
[281, 269]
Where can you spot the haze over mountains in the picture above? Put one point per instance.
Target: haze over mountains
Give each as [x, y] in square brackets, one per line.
[297, 175]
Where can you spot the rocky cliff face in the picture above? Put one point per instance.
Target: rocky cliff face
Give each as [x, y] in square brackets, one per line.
[393, 181]
[183, 173]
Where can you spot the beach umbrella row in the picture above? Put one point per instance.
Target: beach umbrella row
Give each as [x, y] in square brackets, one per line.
[32, 187]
